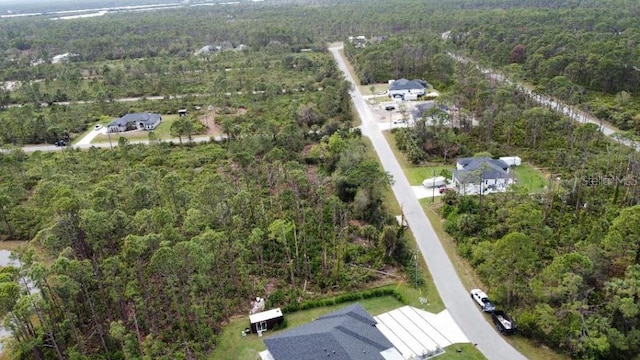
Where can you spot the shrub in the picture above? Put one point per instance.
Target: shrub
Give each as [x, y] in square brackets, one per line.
[348, 297]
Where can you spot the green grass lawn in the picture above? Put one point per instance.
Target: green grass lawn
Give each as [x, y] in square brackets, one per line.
[417, 174]
[461, 351]
[232, 345]
[378, 88]
[530, 177]
[163, 131]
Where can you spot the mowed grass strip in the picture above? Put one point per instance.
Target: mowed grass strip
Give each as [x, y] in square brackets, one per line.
[428, 289]
[464, 351]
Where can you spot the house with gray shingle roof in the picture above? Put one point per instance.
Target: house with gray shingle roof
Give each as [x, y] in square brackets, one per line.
[135, 121]
[401, 87]
[478, 174]
[419, 110]
[349, 333]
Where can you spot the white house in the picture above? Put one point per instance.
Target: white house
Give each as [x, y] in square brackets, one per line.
[481, 174]
[399, 88]
[135, 121]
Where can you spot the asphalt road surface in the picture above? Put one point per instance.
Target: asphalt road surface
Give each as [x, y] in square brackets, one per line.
[83, 144]
[455, 297]
[558, 106]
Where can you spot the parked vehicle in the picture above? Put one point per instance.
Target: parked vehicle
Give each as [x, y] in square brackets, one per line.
[504, 324]
[60, 143]
[483, 300]
[98, 127]
[435, 182]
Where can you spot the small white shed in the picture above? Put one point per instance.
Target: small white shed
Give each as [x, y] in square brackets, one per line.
[512, 160]
[265, 320]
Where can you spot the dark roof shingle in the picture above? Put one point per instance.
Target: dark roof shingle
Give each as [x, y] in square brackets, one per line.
[345, 334]
[145, 118]
[404, 84]
[473, 168]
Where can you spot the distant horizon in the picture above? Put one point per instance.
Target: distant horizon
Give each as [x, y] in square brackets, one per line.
[17, 7]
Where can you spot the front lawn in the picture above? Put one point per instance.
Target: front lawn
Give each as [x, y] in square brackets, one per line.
[378, 89]
[416, 174]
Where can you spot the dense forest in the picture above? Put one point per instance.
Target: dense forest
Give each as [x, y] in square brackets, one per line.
[146, 251]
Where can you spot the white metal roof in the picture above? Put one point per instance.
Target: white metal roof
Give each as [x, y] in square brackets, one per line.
[391, 354]
[415, 332]
[265, 315]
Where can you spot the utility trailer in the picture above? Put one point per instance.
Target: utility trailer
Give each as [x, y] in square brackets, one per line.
[503, 322]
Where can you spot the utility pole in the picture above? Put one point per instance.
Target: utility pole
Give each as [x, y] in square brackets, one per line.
[433, 188]
[415, 260]
[109, 136]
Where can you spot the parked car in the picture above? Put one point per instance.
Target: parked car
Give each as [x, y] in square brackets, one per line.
[98, 127]
[483, 300]
[390, 107]
[60, 143]
[504, 324]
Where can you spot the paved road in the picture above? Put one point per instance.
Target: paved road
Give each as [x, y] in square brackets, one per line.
[141, 98]
[455, 297]
[126, 99]
[84, 145]
[551, 103]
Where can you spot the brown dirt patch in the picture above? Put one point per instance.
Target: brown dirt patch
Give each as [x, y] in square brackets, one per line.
[209, 119]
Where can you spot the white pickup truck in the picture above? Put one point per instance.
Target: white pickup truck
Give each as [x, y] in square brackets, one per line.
[483, 300]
